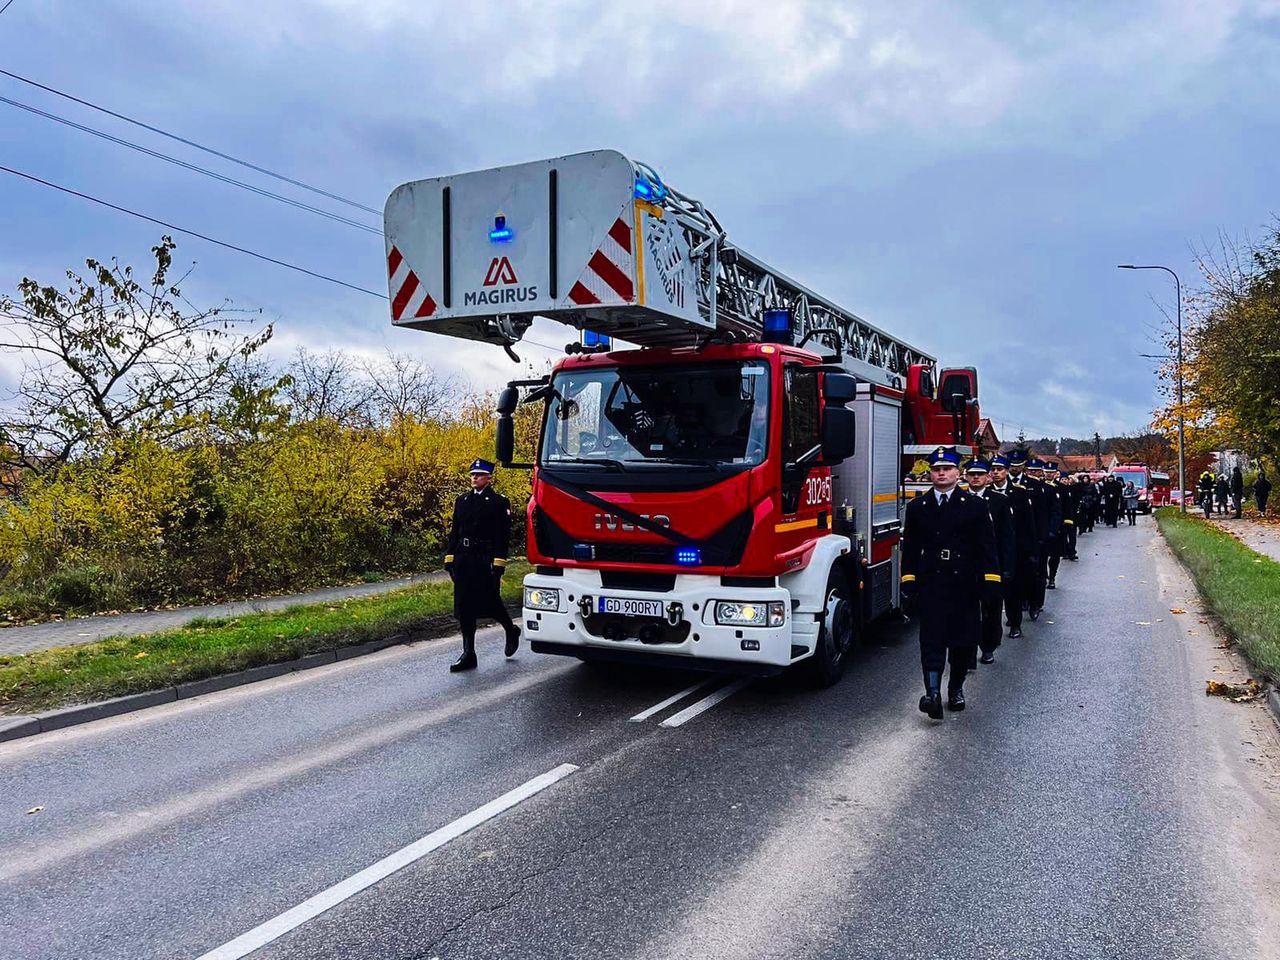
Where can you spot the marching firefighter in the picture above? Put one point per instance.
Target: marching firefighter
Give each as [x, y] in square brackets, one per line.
[1056, 520]
[977, 472]
[1070, 492]
[1017, 589]
[476, 558]
[949, 564]
[1045, 503]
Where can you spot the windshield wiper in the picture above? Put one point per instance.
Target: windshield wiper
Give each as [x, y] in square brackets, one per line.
[692, 461]
[615, 465]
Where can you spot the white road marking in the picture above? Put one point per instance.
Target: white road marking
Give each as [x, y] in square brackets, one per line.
[277, 927]
[675, 698]
[705, 704]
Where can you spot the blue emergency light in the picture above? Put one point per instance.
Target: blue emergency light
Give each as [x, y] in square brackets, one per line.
[592, 339]
[647, 190]
[500, 233]
[688, 556]
[777, 325]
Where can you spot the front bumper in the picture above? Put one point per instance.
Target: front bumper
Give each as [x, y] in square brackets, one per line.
[695, 638]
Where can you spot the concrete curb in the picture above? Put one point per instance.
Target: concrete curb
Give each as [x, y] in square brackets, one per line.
[17, 727]
[1273, 701]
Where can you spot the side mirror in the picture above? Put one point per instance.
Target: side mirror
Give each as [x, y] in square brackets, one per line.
[506, 440]
[508, 400]
[838, 434]
[839, 388]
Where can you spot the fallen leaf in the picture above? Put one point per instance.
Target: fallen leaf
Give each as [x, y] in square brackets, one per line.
[1176, 610]
[1236, 693]
[1121, 577]
[140, 654]
[1143, 623]
[34, 810]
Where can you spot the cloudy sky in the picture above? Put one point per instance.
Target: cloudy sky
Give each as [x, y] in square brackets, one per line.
[964, 174]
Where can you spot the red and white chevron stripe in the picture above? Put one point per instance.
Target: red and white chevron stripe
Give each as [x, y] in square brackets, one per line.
[409, 297]
[607, 279]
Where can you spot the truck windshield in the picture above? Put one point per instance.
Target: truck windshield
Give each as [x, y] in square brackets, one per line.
[1138, 477]
[705, 415]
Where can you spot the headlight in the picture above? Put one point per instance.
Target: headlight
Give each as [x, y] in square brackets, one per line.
[542, 598]
[734, 613]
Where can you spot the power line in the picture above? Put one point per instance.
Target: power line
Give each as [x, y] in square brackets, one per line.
[191, 233]
[7, 5]
[189, 143]
[189, 166]
[223, 243]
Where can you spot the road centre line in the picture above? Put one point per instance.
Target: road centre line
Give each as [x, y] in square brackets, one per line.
[674, 698]
[705, 704]
[278, 926]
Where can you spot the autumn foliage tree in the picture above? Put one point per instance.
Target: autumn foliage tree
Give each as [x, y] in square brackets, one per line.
[1231, 369]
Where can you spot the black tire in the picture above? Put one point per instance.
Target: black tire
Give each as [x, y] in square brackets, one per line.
[837, 633]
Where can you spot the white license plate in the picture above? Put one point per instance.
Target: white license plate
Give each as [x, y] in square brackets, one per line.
[631, 608]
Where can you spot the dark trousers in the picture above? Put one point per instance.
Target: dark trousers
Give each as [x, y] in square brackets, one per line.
[1015, 591]
[1069, 533]
[1055, 556]
[1035, 596]
[1207, 503]
[992, 628]
[934, 658]
[1237, 504]
[1262, 501]
[1111, 512]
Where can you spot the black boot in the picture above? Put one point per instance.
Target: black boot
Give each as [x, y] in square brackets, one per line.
[468, 659]
[955, 691]
[988, 656]
[931, 702]
[513, 640]
[1015, 633]
[1052, 584]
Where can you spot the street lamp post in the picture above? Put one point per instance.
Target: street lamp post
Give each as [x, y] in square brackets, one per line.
[1182, 433]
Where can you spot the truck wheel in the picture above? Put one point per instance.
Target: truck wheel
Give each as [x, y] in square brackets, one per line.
[836, 634]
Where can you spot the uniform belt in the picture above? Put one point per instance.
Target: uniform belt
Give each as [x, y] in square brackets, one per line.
[474, 544]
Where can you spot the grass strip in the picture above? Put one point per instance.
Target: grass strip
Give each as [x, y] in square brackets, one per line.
[208, 647]
[1240, 585]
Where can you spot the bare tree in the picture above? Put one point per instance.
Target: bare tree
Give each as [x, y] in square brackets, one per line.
[111, 355]
[404, 387]
[329, 386]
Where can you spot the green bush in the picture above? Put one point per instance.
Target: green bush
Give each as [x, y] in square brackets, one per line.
[144, 524]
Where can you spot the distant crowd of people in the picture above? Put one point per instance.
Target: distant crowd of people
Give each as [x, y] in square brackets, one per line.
[1223, 492]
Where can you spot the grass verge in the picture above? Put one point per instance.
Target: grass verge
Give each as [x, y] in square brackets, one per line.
[208, 647]
[1241, 586]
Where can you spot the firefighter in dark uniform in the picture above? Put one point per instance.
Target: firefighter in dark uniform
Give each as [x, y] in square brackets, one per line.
[1027, 544]
[1056, 521]
[1048, 520]
[1070, 491]
[1019, 469]
[977, 472]
[949, 563]
[476, 558]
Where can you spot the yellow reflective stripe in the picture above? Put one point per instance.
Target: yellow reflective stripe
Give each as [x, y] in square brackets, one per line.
[796, 525]
[1072, 522]
[884, 497]
[499, 561]
[908, 578]
[448, 558]
[992, 577]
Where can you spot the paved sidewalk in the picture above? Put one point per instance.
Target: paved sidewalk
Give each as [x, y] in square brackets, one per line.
[1262, 537]
[64, 633]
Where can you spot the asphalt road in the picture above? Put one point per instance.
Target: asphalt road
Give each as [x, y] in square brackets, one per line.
[65, 633]
[1091, 803]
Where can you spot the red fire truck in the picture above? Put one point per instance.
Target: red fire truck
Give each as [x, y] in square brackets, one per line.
[1140, 474]
[1161, 489]
[726, 496]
